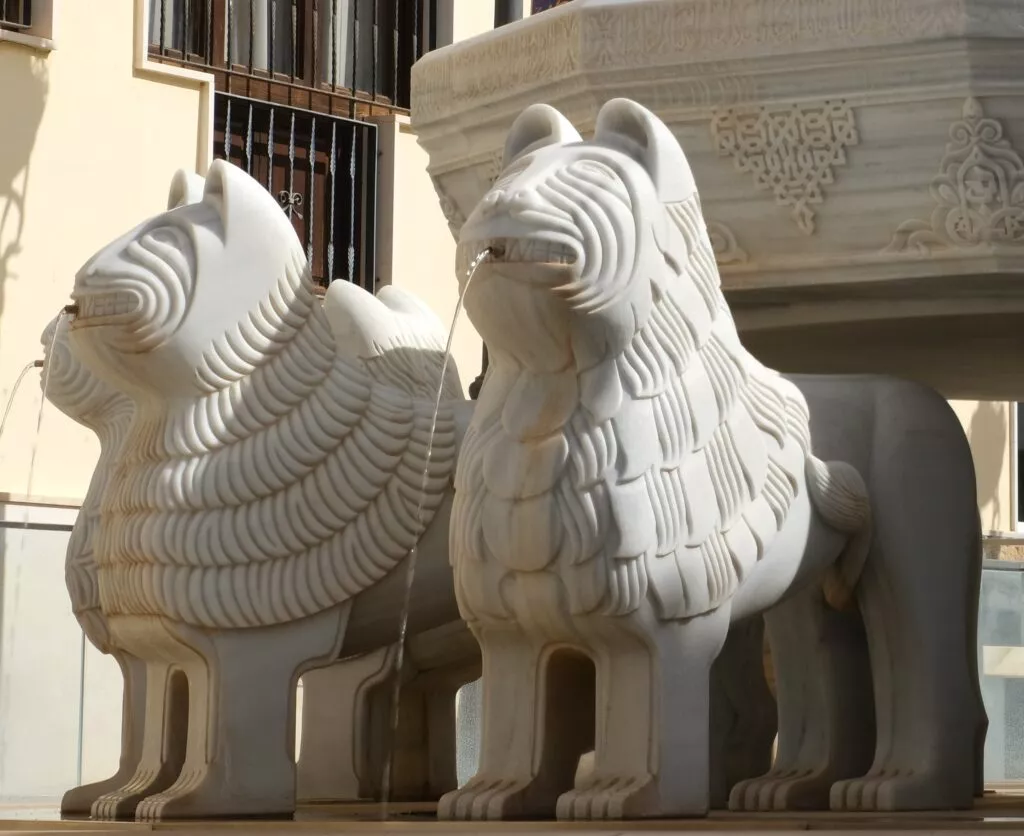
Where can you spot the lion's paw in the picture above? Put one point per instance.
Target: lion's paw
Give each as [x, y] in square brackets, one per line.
[610, 797]
[486, 798]
[896, 790]
[202, 792]
[791, 789]
[121, 803]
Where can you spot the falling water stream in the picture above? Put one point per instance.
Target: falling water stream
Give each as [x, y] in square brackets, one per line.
[410, 571]
[35, 364]
[42, 401]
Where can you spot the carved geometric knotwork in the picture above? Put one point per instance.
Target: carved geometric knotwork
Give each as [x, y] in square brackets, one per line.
[978, 192]
[791, 151]
[723, 242]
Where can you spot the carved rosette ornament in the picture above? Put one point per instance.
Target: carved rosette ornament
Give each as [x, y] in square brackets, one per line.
[724, 245]
[791, 151]
[979, 191]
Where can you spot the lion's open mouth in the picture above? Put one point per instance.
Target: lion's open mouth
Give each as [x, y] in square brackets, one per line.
[106, 308]
[526, 251]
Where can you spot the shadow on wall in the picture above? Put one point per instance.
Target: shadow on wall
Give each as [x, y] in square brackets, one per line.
[989, 437]
[22, 101]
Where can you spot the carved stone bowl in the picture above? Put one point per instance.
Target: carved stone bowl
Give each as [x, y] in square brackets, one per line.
[860, 163]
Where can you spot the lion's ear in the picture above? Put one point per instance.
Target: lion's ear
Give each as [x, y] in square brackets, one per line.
[633, 129]
[537, 126]
[186, 188]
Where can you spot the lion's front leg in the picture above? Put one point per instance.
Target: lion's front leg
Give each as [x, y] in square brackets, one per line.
[521, 772]
[651, 757]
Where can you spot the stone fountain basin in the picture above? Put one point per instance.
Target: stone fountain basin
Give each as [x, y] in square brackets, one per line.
[859, 161]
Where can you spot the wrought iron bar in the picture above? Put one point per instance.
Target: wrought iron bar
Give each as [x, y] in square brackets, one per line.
[310, 191]
[352, 206]
[270, 152]
[209, 32]
[227, 132]
[186, 29]
[290, 198]
[248, 143]
[333, 173]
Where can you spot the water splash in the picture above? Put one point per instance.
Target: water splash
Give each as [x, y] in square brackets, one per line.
[410, 571]
[35, 364]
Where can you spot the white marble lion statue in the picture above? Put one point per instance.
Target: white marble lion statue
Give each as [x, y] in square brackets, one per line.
[633, 481]
[269, 490]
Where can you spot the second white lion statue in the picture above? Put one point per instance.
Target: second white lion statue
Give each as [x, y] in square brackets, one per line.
[633, 481]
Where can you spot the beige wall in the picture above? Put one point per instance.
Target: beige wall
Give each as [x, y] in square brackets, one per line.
[989, 428]
[416, 250]
[87, 149]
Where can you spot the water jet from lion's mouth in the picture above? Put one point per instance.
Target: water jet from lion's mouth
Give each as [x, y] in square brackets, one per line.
[410, 572]
[35, 364]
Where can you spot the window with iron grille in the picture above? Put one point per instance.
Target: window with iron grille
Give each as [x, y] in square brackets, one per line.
[537, 6]
[15, 14]
[321, 169]
[351, 57]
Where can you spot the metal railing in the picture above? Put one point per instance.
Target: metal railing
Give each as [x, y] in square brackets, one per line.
[332, 56]
[321, 169]
[15, 14]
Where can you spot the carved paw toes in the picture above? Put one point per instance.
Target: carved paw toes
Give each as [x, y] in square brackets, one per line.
[121, 803]
[485, 799]
[896, 790]
[856, 794]
[610, 797]
[791, 789]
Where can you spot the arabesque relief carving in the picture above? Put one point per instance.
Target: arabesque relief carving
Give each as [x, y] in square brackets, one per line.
[978, 192]
[792, 151]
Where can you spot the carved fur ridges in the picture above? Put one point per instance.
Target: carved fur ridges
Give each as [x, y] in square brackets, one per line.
[290, 481]
[672, 430]
[271, 475]
[600, 303]
[86, 399]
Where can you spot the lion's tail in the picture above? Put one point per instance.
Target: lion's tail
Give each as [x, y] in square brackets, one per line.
[839, 494]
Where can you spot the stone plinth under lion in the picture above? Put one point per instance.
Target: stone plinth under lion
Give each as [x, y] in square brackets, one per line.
[633, 480]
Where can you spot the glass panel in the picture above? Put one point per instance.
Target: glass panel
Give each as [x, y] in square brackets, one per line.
[41, 667]
[1001, 658]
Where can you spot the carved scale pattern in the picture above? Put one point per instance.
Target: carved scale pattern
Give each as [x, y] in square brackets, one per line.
[788, 151]
[724, 244]
[978, 192]
[289, 488]
[700, 507]
[86, 399]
